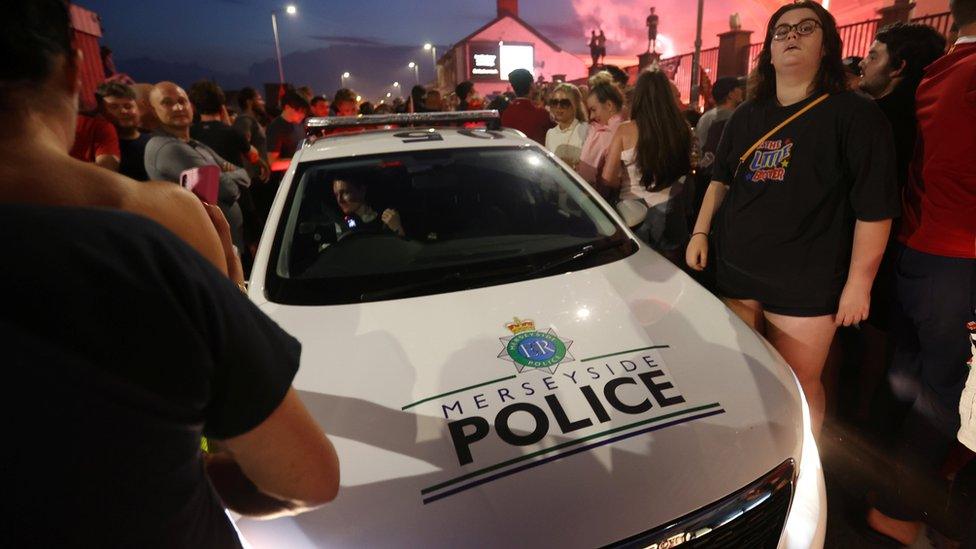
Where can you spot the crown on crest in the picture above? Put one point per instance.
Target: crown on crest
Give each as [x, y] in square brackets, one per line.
[518, 326]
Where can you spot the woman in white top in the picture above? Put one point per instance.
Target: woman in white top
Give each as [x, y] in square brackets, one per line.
[649, 157]
[567, 137]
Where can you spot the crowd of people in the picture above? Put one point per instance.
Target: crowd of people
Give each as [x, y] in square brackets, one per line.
[809, 201]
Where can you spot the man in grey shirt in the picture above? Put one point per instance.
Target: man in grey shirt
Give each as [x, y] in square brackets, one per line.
[170, 152]
[728, 92]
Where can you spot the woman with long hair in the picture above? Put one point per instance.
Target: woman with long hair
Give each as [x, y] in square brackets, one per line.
[654, 150]
[603, 103]
[804, 175]
[567, 137]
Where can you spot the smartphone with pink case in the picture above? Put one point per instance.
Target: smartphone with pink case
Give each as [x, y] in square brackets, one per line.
[203, 181]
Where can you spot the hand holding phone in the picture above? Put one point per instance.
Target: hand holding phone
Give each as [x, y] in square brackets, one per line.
[203, 181]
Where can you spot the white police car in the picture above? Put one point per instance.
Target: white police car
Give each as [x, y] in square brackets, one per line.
[500, 363]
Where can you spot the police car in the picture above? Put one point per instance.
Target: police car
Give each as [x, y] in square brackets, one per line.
[501, 363]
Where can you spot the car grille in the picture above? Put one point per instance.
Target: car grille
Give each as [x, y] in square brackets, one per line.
[752, 517]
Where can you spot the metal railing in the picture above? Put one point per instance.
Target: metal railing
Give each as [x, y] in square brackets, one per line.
[939, 21]
[682, 76]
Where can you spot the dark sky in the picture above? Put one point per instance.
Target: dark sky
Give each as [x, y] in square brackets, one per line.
[231, 40]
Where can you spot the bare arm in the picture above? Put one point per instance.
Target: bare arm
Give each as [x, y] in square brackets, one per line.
[287, 462]
[714, 196]
[611, 170]
[696, 256]
[181, 212]
[870, 240]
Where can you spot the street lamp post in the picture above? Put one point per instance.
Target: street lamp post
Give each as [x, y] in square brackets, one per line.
[290, 9]
[342, 79]
[696, 60]
[433, 57]
[416, 73]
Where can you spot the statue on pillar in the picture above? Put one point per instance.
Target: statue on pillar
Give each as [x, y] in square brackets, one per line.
[735, 22]
[594, 48]
[601, 43]
[598, 47]
[652, 20]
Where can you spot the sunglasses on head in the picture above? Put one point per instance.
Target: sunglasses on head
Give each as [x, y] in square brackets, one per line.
[564, 103]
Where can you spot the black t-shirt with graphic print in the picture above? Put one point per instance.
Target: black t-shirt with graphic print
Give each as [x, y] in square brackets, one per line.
[785, 230]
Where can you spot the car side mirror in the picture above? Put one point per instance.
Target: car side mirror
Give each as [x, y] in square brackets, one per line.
[633, 212]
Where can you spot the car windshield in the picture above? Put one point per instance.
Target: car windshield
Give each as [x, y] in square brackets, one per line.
[407, 224]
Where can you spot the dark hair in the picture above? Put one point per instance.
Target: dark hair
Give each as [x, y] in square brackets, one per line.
[295, 101]
[963, 12]
[725, 86]
[463, 89]
[831, 78]
[618, 74]
[317, 99]
[521, 81]
[114, 89]
[207, 97]
[663, 136]
[605, 91]
[245, 95]
[33, 36]
[914, 44]
[343, 95]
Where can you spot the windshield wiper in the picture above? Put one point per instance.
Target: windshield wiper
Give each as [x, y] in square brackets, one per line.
[507, 274]
[575, 255]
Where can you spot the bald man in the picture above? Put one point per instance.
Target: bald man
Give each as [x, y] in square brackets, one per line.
[170, 152]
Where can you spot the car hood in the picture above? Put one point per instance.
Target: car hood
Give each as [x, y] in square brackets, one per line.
[574, 410]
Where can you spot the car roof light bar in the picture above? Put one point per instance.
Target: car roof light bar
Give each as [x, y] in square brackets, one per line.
[374, 121]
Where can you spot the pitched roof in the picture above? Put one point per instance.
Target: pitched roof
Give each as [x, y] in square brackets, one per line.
[518, 20]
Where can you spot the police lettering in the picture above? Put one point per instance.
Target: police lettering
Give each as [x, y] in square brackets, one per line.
[468, 431]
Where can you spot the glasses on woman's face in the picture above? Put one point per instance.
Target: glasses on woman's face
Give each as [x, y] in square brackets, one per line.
[803, 28]
[560, 103]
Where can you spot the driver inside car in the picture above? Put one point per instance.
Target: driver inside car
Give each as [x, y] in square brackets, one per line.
[358, 216]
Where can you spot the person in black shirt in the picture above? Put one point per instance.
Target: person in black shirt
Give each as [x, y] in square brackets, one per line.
[892, 71]
[358, 216]
[805, 215]
[286, 132]
[133, 347]
[119, 338]
[212, 129]
[117, 103]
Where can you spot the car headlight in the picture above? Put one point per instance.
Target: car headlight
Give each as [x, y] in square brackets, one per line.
[806, 524]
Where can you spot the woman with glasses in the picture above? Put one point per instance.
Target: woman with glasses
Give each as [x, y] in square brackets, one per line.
[603, 103]
[567, 137]
[805, 178]
[654, 150]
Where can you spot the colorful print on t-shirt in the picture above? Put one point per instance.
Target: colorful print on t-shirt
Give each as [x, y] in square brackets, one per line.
[770, 160]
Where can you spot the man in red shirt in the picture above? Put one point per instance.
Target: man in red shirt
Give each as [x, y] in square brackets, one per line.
[522, 114]
[96, 142]
[936, 280]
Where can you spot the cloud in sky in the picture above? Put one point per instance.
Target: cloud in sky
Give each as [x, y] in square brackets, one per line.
[347, 40]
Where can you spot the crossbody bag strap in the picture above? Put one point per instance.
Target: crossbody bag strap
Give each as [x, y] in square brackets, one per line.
[779, 127]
